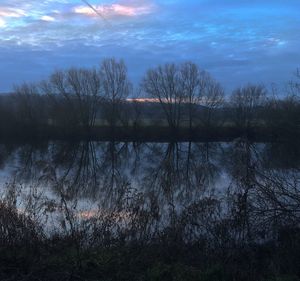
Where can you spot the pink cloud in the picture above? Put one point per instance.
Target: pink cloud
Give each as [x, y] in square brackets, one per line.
[11, 13]
[115, 10]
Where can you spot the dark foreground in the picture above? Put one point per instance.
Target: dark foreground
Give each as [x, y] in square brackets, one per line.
[28, 256]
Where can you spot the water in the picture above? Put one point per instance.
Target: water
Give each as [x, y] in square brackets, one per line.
[142, 189]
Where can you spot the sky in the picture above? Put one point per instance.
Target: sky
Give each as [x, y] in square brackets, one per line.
[237, 41]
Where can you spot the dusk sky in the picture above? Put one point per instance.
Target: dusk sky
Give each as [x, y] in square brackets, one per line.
[237, 41]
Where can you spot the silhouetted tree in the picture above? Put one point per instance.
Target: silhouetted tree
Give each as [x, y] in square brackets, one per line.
[163, 84]
[116, 88]
[212, 98]
[200, 89]
[246, 103]
[192, 84]
[29, 107]
[80, 89]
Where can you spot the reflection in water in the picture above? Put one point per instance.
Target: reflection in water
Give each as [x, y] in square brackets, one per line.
[229, 191]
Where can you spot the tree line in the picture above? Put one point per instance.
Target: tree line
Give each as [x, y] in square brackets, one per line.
[186, 101]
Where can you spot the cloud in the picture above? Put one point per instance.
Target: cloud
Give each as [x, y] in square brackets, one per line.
[115, 10]
[238, 41]
[11, 12]
[2, 23]
[47, 18]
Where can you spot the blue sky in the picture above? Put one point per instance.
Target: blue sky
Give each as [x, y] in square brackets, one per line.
[237, 41]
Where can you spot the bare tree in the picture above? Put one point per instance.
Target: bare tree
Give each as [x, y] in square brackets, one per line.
[86, 86]
[116, 88]
[191, 83]
[28, 106]
[212, 98]
[81, 91]
[199, 88]
[163, 84]
[294, 86]
[246, 102]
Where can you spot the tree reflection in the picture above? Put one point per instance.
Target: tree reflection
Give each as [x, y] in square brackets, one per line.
[229, 191]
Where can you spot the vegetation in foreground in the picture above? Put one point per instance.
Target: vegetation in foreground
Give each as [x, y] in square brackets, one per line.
[27, 255]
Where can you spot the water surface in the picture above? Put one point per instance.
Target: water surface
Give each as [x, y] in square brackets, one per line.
[142, 189]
